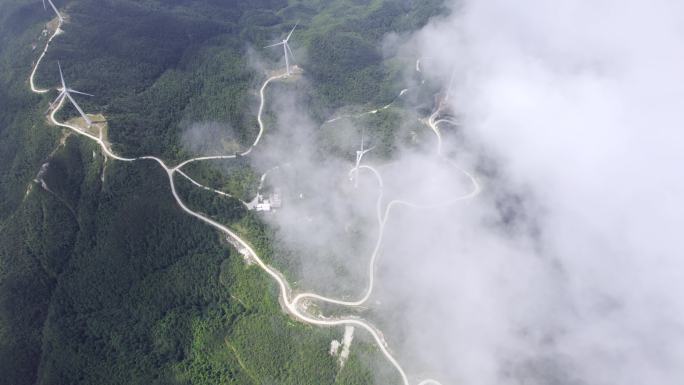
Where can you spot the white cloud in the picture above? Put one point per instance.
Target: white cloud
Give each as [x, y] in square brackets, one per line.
[580, 105]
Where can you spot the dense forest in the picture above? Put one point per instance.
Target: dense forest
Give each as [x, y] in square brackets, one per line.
[103, 280]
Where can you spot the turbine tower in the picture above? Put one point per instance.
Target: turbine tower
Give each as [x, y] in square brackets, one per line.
[286, 49]
[59, 15]
[359, 155]
[65, 92]
[451, 85]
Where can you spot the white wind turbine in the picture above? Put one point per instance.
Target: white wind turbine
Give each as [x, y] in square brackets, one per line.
[59, 15]
[65, 92]
[286, 48]
[359, 155]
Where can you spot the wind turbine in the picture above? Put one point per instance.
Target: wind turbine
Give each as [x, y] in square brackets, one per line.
[286, 49]
[59, 15]
[65, 92]
[359, 155]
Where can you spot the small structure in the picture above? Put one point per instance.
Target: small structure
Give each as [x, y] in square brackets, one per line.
[275, 199]
[271, 203]
[334, 347]
[346, 343]
[265, 205]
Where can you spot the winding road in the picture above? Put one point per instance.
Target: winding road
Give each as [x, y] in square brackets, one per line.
[290, 304]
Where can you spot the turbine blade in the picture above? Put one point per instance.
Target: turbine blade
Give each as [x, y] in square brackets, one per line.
[451, 84]
[290, 49]
[44, 5]
[61, 75]
[80, 111]
[57, 100]
[362, 138]
[290, 34]
[79, 92]
[59, 15]
[274, 45]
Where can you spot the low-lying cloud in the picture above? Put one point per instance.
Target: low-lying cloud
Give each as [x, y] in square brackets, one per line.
[321, 207]
[209, 138]
[568, 268]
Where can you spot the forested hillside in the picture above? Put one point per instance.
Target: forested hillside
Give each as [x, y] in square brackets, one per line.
[103, 280]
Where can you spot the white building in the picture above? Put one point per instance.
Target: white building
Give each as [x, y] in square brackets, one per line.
[275, 199]
[264, 206]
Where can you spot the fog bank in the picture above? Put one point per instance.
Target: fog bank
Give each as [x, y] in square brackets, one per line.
[568, 268]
